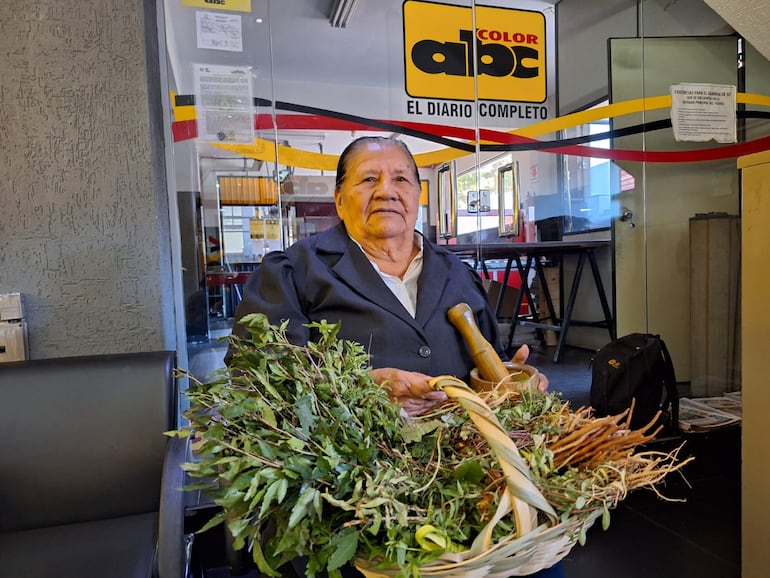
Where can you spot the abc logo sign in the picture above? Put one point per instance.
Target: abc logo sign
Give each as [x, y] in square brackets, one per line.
[440, 44]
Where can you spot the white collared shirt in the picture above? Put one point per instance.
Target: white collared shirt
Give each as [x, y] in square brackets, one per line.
[404, 289]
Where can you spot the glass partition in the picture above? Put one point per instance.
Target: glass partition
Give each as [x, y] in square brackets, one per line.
[655, 262]
[265, 94]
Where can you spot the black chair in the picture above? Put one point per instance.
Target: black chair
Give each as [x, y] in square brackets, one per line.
[84, 491]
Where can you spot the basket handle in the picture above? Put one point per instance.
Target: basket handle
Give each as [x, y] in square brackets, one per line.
[525, 497]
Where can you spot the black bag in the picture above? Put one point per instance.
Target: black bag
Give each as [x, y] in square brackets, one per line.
[636, 366]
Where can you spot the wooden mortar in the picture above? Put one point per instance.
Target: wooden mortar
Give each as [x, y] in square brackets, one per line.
[490, 370]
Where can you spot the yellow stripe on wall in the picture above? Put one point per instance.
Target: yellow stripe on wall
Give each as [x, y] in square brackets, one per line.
[265, 150]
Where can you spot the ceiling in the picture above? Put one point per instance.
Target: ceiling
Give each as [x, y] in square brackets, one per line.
[750, 18]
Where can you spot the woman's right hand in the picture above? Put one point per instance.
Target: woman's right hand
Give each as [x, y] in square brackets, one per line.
[409, 388]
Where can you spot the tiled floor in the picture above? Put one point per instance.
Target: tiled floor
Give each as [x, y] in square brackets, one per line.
[698, 536]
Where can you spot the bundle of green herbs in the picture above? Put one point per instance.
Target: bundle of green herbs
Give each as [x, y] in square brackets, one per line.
[308, 456]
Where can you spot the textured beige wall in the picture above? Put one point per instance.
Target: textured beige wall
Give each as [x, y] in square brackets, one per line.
[749, 17]
[84, 225]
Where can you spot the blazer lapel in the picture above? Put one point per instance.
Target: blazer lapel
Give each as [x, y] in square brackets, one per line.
[432, 284]
[355, 270]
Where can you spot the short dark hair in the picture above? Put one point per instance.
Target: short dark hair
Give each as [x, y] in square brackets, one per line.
[344, 160]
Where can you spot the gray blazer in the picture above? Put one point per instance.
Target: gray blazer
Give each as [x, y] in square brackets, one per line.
[327, 276]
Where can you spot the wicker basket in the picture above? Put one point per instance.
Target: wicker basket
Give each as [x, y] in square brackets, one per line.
[534, 546]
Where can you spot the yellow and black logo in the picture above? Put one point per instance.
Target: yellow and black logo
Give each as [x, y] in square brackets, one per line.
[237, 5]
[440, 43]
[614, 363]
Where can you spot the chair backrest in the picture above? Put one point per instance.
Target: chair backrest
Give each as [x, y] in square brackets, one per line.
[81, 437]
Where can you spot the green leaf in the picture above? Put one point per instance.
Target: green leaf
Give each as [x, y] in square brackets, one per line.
[375, 523]
[179, 433]
[267, 414]
[345, 545]
[270, 495]
[583, 534]
[413, 431]
[237, 527]
[230, 499]
[341, 504]
[470, 472]
[259, 559]
[303, 408]
[318, 504]
[298, 466]
[283, 486]
[289, 543]
[301, 507]
[374, 503]
[215, 520]
[265, 449]
[254, 488]
[296, 444]
[605, 518]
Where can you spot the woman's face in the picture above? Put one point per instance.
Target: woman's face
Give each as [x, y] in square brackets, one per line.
[379, 197]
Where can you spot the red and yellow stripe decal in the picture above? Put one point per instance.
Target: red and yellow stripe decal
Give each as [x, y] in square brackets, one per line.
[184, 127]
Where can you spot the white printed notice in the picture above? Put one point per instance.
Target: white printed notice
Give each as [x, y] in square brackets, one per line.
[224, 104]
[219, 31]
[703, 112]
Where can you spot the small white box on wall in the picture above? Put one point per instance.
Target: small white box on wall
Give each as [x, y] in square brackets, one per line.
[11, 308]
[13, 341]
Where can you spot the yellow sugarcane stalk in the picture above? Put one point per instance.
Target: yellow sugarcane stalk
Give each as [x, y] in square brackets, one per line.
[526, 498]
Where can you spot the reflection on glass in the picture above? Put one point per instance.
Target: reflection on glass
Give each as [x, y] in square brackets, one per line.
[447, 201]
[477, 200]
[508, 198]
[589, 184]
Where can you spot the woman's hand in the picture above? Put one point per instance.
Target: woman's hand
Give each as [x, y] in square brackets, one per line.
[520, 357]
[409, 388]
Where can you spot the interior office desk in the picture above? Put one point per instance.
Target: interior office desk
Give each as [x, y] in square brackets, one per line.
[528, 255]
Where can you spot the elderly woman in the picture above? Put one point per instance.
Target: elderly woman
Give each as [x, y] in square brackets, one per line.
[388, 286]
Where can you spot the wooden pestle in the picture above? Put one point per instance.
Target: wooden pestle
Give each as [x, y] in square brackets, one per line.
[488, 363]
